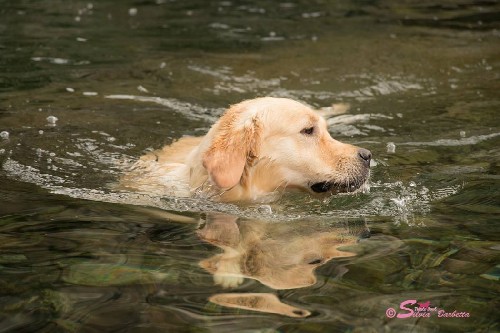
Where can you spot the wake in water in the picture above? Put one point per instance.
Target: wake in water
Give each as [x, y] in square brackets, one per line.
[84, 167]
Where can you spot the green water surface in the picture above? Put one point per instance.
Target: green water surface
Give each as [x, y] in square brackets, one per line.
[122, 77]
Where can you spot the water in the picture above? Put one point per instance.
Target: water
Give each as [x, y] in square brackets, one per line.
[86, 88]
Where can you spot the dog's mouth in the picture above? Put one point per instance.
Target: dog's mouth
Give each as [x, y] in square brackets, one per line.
[336, 187]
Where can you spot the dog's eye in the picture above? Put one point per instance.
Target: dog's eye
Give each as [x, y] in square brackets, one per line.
[308, 131]
[315, 262]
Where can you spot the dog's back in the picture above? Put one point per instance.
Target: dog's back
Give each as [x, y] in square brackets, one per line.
[163, 171]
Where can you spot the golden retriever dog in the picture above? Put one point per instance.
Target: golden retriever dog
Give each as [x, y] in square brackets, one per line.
[258, 149]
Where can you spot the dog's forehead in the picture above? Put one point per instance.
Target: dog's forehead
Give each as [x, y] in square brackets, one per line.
[298, 114]
[276, 113]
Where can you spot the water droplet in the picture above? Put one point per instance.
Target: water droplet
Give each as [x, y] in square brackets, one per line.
[132, 11]
[391, 147]
[40, 132]
[52, 120]
[4, 135]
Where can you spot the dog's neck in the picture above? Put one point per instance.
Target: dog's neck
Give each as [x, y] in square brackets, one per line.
[260, 182]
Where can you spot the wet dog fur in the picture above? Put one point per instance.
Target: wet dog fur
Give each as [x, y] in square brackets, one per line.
[258, 149]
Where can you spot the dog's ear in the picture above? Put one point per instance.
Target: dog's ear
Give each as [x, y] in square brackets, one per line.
[234, 144]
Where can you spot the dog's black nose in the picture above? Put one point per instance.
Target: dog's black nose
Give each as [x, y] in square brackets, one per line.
[365, 154]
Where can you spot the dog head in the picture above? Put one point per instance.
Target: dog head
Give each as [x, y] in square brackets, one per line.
[269, 143]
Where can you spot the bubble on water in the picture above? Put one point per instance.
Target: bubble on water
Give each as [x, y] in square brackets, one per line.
[39, 152]
[132, 11]
[52, 154]
[391, 147]
[4, 135]
[70, 89]
[2, 151]
[142, 89]
[311, 15]
[40, 132]
[412, 184]
[272, 37]
[90, 5]
[462, 134]
[163, 65]
[78, 18]
[52, 120]
[265, 209]
[424, 190]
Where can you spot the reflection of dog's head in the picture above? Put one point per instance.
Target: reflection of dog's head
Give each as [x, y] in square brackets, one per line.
[281, 256]
[277, 142]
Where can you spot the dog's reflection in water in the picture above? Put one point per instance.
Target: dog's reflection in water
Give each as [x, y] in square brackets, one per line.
[279, 255]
